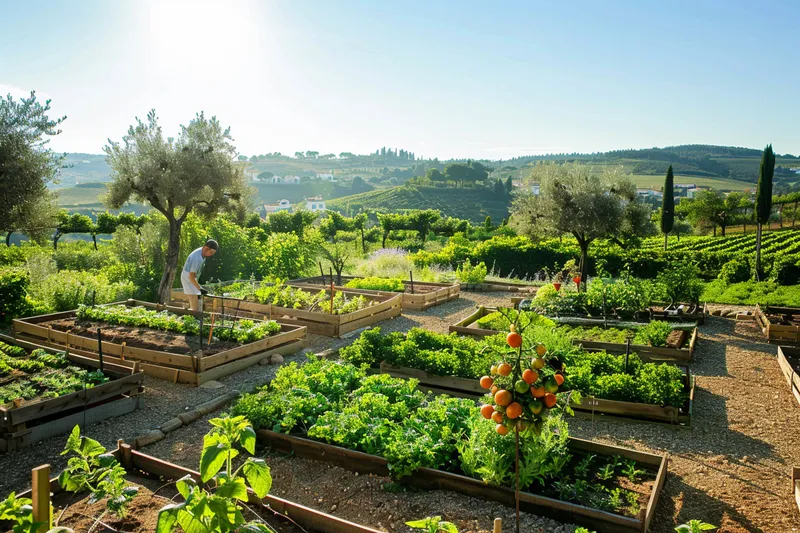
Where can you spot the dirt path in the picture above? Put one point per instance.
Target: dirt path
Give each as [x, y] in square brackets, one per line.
[732, 468]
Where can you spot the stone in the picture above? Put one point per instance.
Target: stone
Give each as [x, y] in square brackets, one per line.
[189, 416]
[212, 385]
[148, 438]
[276, 359]
[212, 405]
[727, 312]
[171, 425]
[333, 507]
[265, 361]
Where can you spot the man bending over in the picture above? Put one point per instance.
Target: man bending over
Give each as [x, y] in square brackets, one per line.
[191, 271]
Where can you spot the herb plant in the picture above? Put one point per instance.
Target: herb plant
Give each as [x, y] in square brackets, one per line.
[377, 284]
[19, 512]
[695, 526]
[433, 524]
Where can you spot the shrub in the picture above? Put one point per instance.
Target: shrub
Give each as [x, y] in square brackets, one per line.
[785, 271]
[13, 294]
[67, 290]
[282, 256]
[735, 271]
[467, 273]
[655, 333]
[386, 263]
[681, 283]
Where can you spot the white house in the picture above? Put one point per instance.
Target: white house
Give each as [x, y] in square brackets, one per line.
[283, 205]
[292, 180]
[315, 203]
[325, 177]
[644, 193]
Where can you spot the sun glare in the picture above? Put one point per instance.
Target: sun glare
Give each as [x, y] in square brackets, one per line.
[202, 32]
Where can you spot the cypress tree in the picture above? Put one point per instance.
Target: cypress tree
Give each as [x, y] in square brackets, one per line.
[763, 206]
[668, 206]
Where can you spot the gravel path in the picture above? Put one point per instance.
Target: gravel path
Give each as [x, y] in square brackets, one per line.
[732, 468]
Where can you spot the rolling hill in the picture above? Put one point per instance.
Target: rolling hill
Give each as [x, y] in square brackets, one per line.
[472, 204]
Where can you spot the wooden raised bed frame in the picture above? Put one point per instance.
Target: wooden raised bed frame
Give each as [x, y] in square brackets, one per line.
[427, 478]
[646, 353]
[591, 406]
[177, 368]
[777, 333]
[785, 356]
[304, 516]
[35, 421]
[499, 286]
[388, 306]
[412, 302]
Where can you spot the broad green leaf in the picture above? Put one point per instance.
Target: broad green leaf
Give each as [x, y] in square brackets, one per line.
[73, 441]
[424, 523]
[232, 488]
[168, 517]
[448, 527]
[248, 439]
[91, 448]
[212, 460]
[254, 527]
[258, 475]
[185, 485]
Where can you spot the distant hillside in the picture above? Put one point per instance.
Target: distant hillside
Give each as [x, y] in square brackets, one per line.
[472, 204]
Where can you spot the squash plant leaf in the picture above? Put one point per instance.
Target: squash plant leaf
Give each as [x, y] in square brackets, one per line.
[248, 439]
[258, 475]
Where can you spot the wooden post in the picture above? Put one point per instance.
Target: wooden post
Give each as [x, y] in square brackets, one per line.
[40, 493]
[321, 272]
[332, 289]
[100, 348]
[411, 277]
[498, 525]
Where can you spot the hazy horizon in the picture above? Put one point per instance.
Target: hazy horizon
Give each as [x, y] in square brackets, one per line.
[471, 80]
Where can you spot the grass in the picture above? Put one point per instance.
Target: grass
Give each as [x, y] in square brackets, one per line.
[84, 194]
[751, 293]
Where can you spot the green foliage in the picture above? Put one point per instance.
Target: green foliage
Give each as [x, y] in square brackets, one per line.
[466, 273]
[295, 298]
[654, 333]
[763, 207]
[220, 512]
[490, 456]
[695, 526]
[377, 284]
[679, 283]
[91, 468]
[68, 290]
[735, 270]
[242, 331]
[500, 321]
[433, 524]
[19, 511]
[283, 256]
[14, 299]
[751, 293]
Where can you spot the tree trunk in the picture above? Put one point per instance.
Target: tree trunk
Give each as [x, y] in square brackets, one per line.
[94, 240]
[363, 244]
[583, 266]
[173, 250]
[8, 238]
[55, 239]
[723, 229]
[715, 230]
[758, 252]
[385, 236]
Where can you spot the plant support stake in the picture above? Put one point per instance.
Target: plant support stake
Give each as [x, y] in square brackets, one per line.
[411, 277]
[100, 348]
[321, 272]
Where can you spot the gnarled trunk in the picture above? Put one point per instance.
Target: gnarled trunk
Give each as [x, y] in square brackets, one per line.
[8, 238]
[173, 251]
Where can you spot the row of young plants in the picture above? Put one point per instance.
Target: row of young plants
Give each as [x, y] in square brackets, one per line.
[91, 470]
[377, 414]
[242, 331]
[41, 375]
[599, 374]
[276, 292]
[653, 333]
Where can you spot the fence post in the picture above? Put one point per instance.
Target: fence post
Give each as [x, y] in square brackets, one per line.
[40, 493]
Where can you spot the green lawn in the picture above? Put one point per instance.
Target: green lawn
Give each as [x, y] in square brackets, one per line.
[656, 182]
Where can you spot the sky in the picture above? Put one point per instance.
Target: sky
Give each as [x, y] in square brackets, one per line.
[447, 79]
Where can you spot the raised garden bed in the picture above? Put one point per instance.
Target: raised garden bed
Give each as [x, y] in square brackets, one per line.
[590, 406]
[151, 474]
[161, 354]
[789, 362]
[780, 325]
[682, 312]
[380, 307]
[681, 352]
[418, 296]
[499, 286]
[25, 422]
[432, 479]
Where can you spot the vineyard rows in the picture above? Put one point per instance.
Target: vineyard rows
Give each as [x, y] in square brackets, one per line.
[787, 242]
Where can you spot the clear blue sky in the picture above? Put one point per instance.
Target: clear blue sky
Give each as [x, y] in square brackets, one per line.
[440, 78]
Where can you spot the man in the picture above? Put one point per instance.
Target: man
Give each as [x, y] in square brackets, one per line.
[191, 271]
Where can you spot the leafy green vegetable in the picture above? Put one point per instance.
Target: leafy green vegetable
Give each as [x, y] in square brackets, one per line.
[377, 284]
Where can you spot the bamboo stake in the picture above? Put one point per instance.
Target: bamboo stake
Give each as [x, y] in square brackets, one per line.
[211, 330]
[40, 493]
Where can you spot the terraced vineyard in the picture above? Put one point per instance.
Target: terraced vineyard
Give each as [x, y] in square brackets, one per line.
[786, 241]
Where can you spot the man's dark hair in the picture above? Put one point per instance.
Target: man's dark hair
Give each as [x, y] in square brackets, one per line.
[211, 243]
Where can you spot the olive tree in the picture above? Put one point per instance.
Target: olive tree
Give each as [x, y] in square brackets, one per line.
[27, 165]
[573, 201]
[195, 172]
